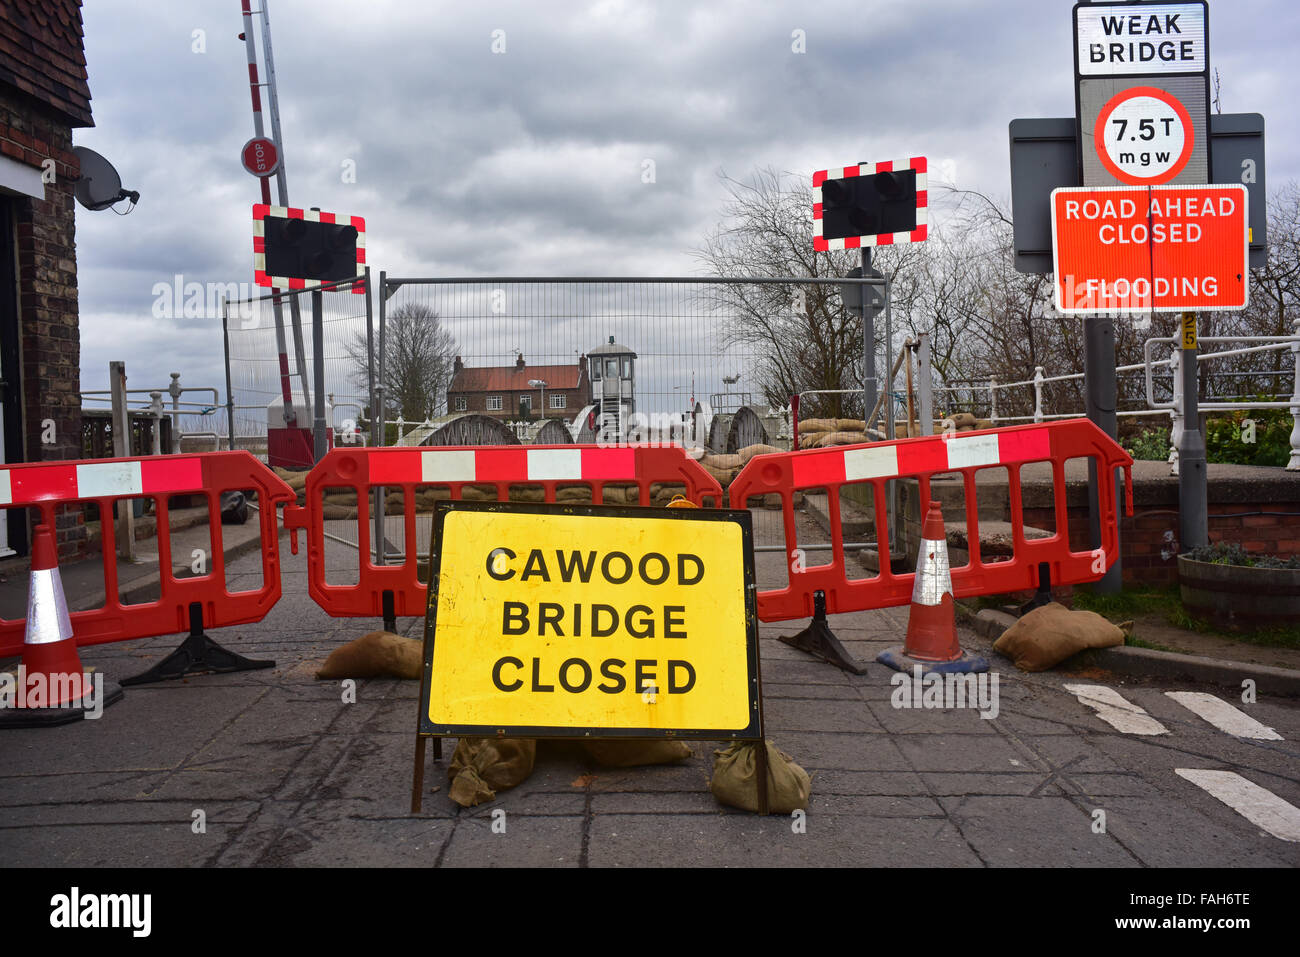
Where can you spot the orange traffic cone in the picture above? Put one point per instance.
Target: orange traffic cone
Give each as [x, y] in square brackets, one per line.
[52, 687]
[931, 643]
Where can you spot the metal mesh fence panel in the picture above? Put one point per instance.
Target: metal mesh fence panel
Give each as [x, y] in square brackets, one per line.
[675, 345]
[254, 363]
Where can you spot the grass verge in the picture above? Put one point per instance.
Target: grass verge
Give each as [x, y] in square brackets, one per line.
[1166, 602]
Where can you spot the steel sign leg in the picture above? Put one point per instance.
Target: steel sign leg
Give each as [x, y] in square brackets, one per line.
[1100, 393]
[318, 372]
[1193, 507]
[417, 779]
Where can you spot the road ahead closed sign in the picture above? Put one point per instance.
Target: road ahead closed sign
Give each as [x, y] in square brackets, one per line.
[1150, 249]
[590, 620]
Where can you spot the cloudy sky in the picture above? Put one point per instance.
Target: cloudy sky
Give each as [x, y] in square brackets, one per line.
[530, 161]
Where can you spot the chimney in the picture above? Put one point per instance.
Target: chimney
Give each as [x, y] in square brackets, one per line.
[582, 361]
[457, 366]
[519, 363]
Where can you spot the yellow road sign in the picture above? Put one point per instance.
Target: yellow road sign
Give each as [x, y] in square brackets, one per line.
[552, 620]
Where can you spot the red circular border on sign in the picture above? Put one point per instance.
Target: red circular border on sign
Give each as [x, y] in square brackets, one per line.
[270, 147]
[1099, 135]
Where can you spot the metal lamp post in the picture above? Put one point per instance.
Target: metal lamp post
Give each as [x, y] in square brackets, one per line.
[541, 385]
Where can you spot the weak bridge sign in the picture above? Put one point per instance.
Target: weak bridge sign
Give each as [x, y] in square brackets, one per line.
[594, 621]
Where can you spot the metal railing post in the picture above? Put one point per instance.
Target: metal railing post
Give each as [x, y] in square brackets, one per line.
[122, 449]
[926, 383]
[1293, 465]
[156, 410]
[174, 389]
[1038, 393]
[993, 401]
[1176, 413]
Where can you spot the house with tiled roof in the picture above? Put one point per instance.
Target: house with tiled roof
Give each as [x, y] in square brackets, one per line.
[507, 392]
[44, 96]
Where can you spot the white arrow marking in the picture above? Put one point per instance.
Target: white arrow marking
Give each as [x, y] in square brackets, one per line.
[1258, 805]
[1223, 715]
[1115, 710]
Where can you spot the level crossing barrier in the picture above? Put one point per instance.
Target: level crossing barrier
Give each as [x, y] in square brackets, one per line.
[396, 590]
[815, 590]
[191, 601]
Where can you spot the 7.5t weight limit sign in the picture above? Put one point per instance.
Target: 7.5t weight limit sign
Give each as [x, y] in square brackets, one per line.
[1144, 136]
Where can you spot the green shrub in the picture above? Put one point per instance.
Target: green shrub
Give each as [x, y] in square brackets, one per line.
[1227, 437]
[1231, 553]
[1149, 445]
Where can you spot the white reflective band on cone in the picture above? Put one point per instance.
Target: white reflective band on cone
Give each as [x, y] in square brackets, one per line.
[933, 580]
[47, 610]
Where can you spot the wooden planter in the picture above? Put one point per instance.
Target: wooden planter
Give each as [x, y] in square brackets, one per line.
[1239, 597]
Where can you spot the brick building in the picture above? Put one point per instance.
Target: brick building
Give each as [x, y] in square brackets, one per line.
[44, 96]
[499, 391]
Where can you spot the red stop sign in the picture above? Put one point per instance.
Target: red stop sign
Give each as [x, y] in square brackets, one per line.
[260, 157]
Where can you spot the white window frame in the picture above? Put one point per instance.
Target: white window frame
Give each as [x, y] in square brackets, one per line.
[559, 400]
[494, 403]
[461, 403]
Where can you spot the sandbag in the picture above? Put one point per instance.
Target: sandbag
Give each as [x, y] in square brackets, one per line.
[483, 766]
[825, 439]
[723, 476]
[379, 654]
[234, 508]
[620, 495]
[723, 462]
[749, 451]
[573, 494]
[818, 425]
[1048, 635]
[735, 779]
[850, 425]
[527, 493]
[335, 513]
[959, 422]
[632, 754]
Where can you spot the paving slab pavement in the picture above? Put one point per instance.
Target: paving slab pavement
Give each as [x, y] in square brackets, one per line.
[283, 772]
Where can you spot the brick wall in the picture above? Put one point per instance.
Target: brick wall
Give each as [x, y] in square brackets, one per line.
[1149, 540]
[509, 411]
[47, 280]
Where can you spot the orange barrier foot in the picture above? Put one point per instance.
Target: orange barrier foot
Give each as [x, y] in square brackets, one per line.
[931, 642]
[197, 654]
[51, 686]
[818, 640]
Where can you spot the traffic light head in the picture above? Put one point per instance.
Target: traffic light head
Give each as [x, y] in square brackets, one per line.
[869, 205]
[310, 250]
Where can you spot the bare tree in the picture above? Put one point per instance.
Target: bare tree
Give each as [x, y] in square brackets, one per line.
[418, 361]
[985, 319]
[800, 335]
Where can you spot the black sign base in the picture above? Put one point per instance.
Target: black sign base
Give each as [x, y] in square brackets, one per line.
[818, 640]
[197, 654]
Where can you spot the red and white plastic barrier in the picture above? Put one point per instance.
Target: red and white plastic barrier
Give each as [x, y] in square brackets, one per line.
[49, 487]
[501, 467]
[922, 458]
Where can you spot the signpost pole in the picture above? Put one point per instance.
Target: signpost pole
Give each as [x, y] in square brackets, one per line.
[1100, 398]
[870, 388]
[1193, 506]
[286, 389]
[318, 371]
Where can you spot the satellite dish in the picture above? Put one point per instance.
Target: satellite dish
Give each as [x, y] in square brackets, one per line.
[99, 186]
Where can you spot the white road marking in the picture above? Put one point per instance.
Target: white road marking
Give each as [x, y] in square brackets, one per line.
[1223, 715]
[1258, 805]
[1115, 710]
